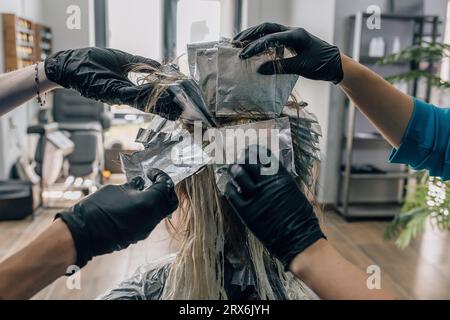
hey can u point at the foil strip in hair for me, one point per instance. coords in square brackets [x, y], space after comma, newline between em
[232, 86]
[241, 89]
[192, 49]
[175, 151]
[206, 75]
[305, 136]
[190, 97]
[239, 137]
[171, 149]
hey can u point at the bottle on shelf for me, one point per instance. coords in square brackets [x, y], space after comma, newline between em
[396, 45]
[377, 47]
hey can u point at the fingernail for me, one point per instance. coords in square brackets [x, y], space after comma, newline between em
[235, 169]
[170, 184]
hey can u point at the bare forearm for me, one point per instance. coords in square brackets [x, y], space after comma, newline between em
[19, 86]
[37, 265]
[386, 107]
[331, 276]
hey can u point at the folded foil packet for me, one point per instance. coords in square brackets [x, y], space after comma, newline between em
[241, 89]
[232, 86]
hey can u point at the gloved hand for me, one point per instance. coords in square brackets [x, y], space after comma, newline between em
[102, 74]
[116, 216]
[315, 59]
[274, 209]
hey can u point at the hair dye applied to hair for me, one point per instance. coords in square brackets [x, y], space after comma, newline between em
[210, 232]
[218, 257]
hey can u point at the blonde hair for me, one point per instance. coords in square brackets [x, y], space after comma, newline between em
[207, 227]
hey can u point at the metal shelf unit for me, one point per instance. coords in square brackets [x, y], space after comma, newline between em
[421, 24]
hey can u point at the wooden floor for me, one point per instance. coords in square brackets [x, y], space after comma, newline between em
[101, 273]
[420, 272]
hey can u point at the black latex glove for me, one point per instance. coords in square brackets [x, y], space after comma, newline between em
[116, 216]
[315, 59]
[274, 209]
[102, 74]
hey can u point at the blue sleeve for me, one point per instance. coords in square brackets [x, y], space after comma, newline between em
[425, 144]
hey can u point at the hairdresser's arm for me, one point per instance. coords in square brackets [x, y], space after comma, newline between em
[19, 86]
[331, 276]
[96, 73]
[419, 131]
[109, 220]
[282, 218]
[389, 109]
[38, 264]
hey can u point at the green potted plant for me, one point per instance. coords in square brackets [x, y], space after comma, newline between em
[428, 201]
[424, 56]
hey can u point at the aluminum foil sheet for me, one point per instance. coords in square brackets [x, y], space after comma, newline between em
[241, 89]
[206, 75]
[189, 96]
[171, 149]
[232, 86]
[274, 134]
[305, 139]
[192, 53]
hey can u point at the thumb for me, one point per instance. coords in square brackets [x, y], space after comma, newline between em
[158, 176]
[137, 183]
[243, 181]
[134, 96]
[163, 184]
[282, 66]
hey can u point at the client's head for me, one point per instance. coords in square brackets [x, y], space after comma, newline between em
[211, 236]
[218, 257]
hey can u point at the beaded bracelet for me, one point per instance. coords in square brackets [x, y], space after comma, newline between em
[41, 101]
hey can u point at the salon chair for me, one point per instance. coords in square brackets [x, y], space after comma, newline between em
[52, 149]
[85, 122]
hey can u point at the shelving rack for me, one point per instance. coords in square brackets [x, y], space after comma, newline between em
[44, 42]
[19, 43]
[422, 28]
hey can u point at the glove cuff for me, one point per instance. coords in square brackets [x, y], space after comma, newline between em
[300, 246]
[76, 225]
[52, 68]
[340, 71]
